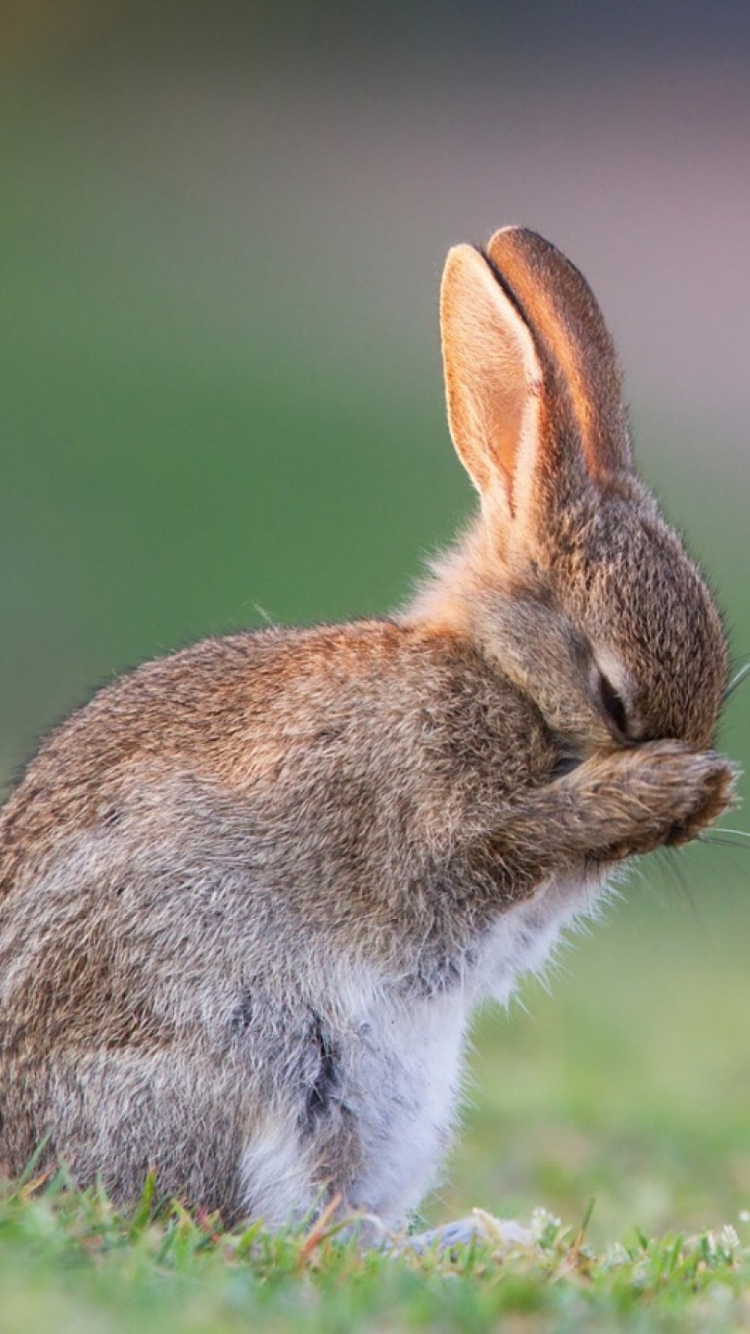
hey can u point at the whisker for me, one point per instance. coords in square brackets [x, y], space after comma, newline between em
[672, 872]
[740, 833]
[675, 871]
[737, 679]
[720, 842]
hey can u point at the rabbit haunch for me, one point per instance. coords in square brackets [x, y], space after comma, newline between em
[251, 893]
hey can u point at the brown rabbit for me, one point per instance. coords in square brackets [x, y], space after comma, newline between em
[251, 893]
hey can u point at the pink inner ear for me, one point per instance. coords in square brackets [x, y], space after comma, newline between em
[492, 371]
[563, 311]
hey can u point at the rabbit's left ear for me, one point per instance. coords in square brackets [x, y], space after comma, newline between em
[573, 339]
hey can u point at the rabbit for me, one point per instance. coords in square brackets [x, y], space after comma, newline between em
[252, 893]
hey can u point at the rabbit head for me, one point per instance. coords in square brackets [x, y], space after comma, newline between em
[570, 578]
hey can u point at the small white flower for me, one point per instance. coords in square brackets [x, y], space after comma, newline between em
[614, 1256]
[728, 1239]
[544, 1226]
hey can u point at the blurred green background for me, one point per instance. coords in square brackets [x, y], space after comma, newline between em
[222, 230]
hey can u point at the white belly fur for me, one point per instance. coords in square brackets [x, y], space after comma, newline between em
[403, 1063]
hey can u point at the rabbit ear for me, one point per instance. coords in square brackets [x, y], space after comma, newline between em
[492, 373]
[567, 323]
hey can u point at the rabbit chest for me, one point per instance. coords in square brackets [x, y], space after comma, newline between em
[417, 1078]
[410, 1052]
[388, 1070]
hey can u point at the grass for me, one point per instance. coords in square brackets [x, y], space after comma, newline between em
[68, 1261]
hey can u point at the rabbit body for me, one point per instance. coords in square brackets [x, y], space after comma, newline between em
[251, 893]
[170, 967]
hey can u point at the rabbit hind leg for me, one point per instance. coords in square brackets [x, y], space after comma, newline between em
[114, 1115]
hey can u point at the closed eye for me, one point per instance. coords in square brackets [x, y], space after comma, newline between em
[565, 765]
[613, 705]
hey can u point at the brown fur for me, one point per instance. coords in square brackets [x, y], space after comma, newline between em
[197, 863]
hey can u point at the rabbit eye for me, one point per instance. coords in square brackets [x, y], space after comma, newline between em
[613, 705]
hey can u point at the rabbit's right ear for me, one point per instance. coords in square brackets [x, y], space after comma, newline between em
[493, 376]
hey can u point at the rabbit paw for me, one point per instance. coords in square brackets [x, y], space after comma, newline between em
[481, 1229]
[670, 793]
